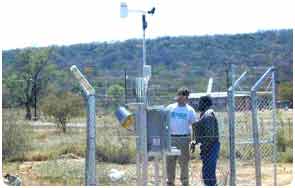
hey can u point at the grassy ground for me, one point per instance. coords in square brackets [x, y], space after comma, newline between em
[58, 159]
[71, 172]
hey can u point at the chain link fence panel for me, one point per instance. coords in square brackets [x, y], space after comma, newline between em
[56, 158]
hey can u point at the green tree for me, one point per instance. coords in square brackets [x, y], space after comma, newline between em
[30, 74]
[115, 94]
[62, 107]
[286, 91]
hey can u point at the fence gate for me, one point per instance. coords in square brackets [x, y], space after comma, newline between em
[252, 129]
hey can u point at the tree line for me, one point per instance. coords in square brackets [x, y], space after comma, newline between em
[31, 74]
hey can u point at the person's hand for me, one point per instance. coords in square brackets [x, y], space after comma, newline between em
[192, 146]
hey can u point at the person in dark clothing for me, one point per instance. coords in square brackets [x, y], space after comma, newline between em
[205, 132]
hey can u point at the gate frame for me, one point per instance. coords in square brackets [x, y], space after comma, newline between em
[256, 143]
[231, 115]
[254, 89]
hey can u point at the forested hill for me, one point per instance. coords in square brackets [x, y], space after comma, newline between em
[254, 49]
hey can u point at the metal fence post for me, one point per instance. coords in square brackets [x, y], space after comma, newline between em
[90, 166]
[274, 124]
[156, 170]
[90, 170]
[143, 138]
[232, 157]
[232, 133]
[256, 138]
[141, 145]
[231, 114]
[138, 150]
[255, 124]
[164, 169]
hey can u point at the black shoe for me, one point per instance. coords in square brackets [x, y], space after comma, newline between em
[170, 184]
[185, 184]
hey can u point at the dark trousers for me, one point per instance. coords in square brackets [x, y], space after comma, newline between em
[209, 157]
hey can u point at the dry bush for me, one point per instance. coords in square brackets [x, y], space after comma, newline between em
[63, 107]
[16, 136]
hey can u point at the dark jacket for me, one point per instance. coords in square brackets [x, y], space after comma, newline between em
[206, 129]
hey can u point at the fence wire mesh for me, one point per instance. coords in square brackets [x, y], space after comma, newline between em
[55, 158]
[244, 152]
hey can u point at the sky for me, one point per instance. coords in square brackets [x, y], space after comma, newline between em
[37, 23]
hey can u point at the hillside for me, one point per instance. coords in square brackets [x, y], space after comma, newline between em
[198, 51]
[187, 59]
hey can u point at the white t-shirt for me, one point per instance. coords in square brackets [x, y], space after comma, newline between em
[181, 117]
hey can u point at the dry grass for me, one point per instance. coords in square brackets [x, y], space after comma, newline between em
[49, 162]
[71, 172]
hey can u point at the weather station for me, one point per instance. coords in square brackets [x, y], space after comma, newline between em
[152, 126]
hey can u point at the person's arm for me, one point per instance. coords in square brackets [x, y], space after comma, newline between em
[193, 120]
[168, 107]
[197, 128]
[194, 130]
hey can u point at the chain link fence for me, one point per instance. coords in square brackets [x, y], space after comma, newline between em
[56, 158]
[260, 108]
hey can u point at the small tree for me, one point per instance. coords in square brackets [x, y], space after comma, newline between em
[116, 94]
[28, 76]
[62, 107]
[286, 91]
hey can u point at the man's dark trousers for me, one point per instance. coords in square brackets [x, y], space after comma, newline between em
[209, 156]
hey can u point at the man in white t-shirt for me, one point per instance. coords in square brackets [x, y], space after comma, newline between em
[182, 116]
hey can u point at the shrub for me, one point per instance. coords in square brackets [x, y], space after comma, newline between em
[62, 108]
[283, 141]
[16, 136]
[285, 146]
[115, 93]
[287, 156]
[120, 153]
[76, 149]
